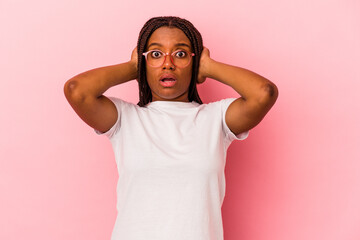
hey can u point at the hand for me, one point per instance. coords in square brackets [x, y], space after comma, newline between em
[134, 57]
[134, 60]
[204, 65]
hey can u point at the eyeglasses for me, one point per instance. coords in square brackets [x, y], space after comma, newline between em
[180, 58]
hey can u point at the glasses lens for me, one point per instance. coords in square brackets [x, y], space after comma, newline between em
[155, 58]
[180, 58]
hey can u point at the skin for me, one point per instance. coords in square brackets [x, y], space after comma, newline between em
[168, 38]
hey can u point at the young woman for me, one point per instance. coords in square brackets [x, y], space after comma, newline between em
[170, 148]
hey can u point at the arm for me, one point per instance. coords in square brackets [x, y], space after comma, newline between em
[258, 93]
[84, 92]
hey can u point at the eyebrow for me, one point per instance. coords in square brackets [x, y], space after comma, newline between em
[178, 44]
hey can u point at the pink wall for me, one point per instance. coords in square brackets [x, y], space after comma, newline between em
[296, 176]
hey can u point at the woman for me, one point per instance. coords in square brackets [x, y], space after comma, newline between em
[170, 148]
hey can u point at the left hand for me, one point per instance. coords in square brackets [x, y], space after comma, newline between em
[204, 65]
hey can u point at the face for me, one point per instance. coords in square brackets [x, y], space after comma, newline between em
[166, 39]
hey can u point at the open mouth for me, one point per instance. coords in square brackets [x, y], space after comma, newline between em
[168, 80]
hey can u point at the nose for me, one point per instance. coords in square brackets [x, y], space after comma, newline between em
[168, 62]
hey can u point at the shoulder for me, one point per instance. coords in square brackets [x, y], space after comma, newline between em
[121, 103]
[223, 104]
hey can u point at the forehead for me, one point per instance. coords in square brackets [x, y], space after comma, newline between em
[168, 37]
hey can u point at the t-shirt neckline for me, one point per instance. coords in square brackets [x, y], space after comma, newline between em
[172, 104]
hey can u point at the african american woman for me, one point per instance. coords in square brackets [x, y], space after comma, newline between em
[170, 148]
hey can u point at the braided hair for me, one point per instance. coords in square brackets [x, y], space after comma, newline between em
[192, 34]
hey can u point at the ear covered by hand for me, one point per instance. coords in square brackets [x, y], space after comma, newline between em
[204, 65]
[134, 60]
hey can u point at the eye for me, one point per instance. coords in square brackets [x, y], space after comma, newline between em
[181, 54]
[155, 54]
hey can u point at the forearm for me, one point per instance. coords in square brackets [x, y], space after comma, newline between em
[249, 85]
[95, 82]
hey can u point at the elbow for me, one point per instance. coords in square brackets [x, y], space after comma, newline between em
[269, 94]
[271, 90]
[71, 90]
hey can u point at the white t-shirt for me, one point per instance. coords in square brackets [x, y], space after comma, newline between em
[171, 159]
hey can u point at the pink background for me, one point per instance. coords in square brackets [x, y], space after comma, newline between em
[296, 177]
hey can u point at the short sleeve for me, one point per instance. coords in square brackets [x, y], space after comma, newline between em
[230, 136]
[115, 128]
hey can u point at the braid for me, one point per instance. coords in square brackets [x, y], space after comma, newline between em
[192, 34]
